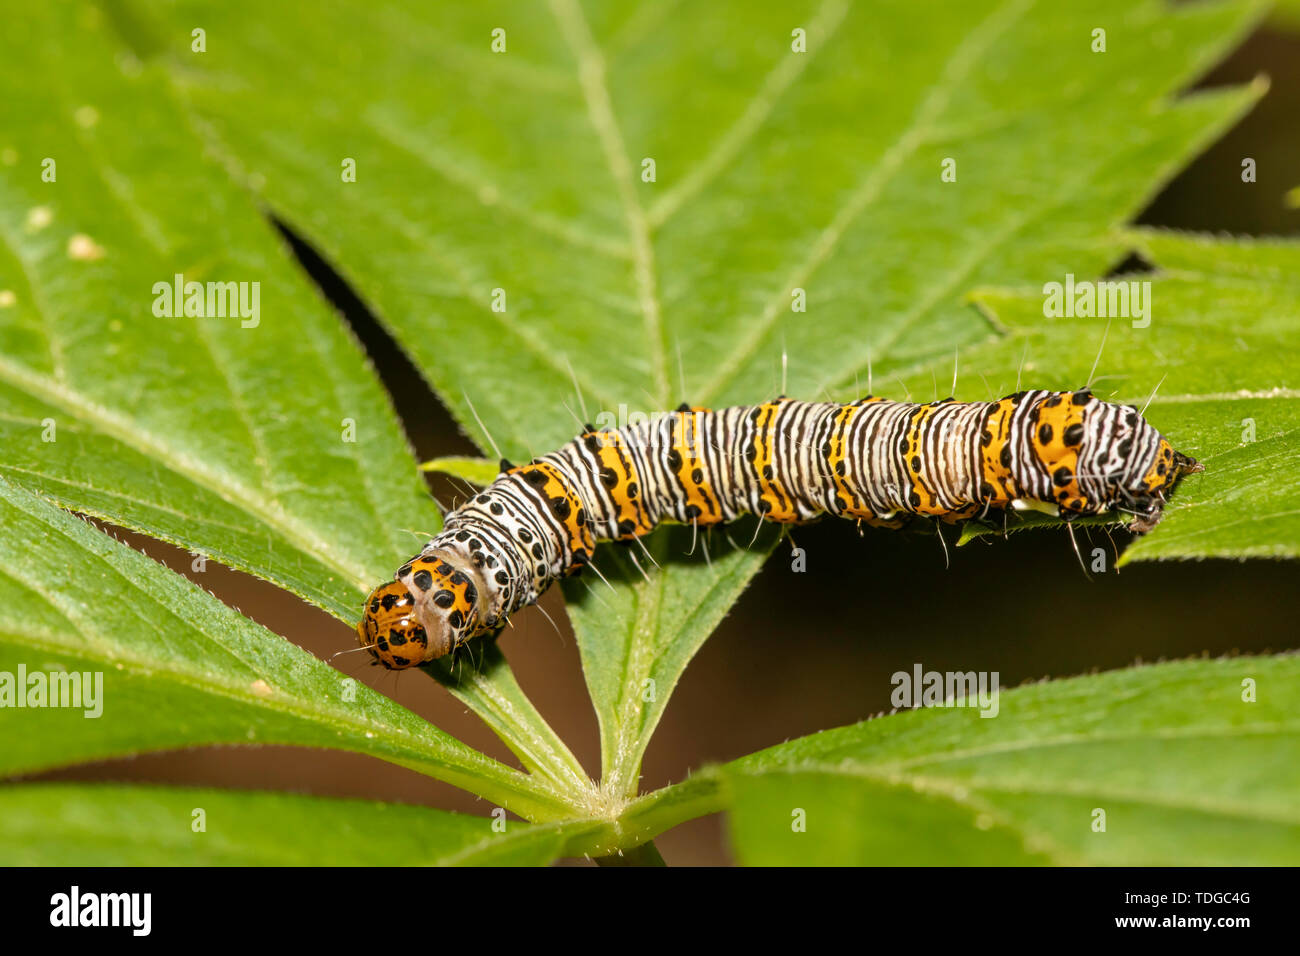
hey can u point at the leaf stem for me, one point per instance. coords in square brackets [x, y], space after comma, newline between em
[491, 691]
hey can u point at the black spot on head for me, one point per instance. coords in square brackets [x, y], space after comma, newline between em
[419, 636]
[396, 638]
[444, 598]
[401, 661]
[422, 579]
[388, 601]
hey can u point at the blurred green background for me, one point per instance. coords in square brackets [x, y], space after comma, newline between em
[802, 652]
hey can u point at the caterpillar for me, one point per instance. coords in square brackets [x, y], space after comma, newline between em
[882, 462]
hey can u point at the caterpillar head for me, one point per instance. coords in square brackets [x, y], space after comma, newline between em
[428, 611]
[1101, 457]
[1147, 495]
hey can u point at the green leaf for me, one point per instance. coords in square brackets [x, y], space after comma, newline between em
[180, 669]
[1286, 15]
[221, 438]
[270, 448]
[501, 226]
[477, 471]
[1223, 345]
[87, 825]
[1186, 771]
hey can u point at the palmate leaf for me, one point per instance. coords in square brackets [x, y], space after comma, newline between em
[501, 223]
[266, 444]
[1223, 345]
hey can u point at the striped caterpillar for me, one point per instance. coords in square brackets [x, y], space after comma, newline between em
[885, 463]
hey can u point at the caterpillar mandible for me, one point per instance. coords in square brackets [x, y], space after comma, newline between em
[879, 461]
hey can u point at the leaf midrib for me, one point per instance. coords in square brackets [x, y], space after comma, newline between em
[600, 113]
[951, 788]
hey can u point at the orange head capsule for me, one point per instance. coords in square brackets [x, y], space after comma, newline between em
[432, 608]
[390, 630]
